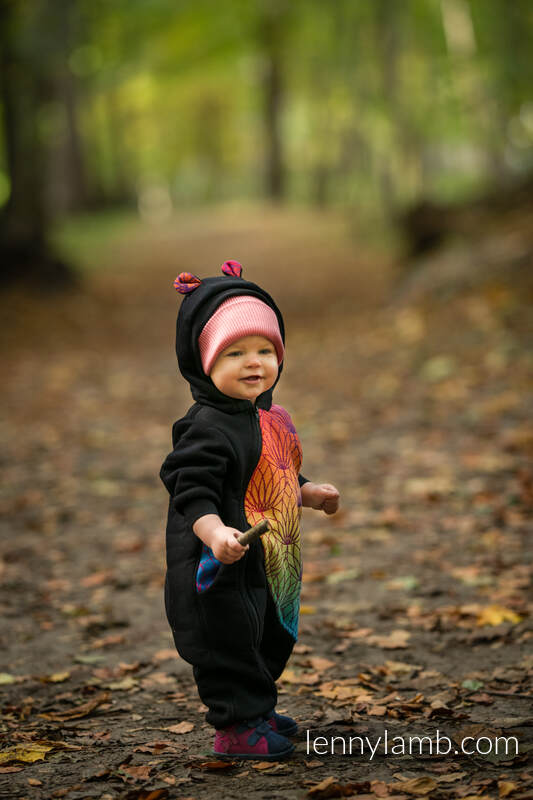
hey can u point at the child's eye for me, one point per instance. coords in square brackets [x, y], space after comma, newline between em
[266, 350]
[234, 353]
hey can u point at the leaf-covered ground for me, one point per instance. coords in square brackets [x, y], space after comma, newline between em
[416, 616]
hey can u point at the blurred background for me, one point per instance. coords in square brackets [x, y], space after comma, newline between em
[370, 163]
[132, 113]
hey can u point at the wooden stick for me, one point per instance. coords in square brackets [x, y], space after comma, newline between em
[254, 533]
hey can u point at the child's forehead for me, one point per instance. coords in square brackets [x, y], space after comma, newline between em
[250, 341]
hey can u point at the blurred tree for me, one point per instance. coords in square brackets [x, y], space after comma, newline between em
[271, 35]
[25, 90]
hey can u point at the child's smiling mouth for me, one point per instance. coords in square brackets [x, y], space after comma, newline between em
[252, 378]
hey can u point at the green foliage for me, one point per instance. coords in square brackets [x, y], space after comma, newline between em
[377, 103]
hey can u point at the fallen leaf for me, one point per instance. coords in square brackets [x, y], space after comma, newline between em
[140, 773]
[97, 578]
[306, 678]
[395, 640]
[34, 751]
[158, 747]
[481, 697]
[495, 615]
[336, 691]
[359, 633]
[506, 787]
[472, 684]
[78, 711]
[418, 786]
[124, 685]
[165, 655]
[319, 663]
[210, 765]
[331, 787]
[400, 667]
[377, 711]
[56, 677]
[181, 727]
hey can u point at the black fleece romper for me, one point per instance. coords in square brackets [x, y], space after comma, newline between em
[240, 461]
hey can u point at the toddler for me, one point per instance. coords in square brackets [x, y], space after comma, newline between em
[236, 460]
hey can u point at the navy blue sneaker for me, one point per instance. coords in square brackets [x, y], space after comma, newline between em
[252, 739]
[286, 726]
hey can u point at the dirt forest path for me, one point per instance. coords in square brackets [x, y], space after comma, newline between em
[416, 604]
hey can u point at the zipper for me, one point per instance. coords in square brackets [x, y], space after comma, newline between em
[254, 616]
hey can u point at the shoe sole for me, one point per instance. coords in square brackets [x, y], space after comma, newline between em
[257, 756]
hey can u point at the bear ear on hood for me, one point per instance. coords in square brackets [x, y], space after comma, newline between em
[232, 268]
[186, 283]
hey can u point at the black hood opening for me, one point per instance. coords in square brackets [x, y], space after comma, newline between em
[196, 308]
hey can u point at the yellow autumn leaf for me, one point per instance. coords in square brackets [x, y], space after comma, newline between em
[495, 615]
[307, 609]
[56, 677]
[506, 787]
[25, 752]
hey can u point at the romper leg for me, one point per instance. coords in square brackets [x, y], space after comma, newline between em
[235, 686]
[276, 643]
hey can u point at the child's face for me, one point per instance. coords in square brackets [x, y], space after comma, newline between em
[245, 369]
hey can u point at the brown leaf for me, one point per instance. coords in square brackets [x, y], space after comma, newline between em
[506, 787]
[320, 664]
[379, 788]
[165, 655]
[418, 786]
[210, 765]
[481, 697]
[359, 633]
[108, 641]
[82, 710]
[97, 578]
[181, 727]
[158, 747]
[395, 640]
[140, 773]
[377, 711]
[306, 678]
[331, 787]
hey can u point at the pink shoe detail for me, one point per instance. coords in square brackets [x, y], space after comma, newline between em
[254, 739]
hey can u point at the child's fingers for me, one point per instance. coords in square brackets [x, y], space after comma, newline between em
[235, 546]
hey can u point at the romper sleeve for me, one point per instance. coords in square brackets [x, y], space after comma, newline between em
[302, 480]
[193, 473]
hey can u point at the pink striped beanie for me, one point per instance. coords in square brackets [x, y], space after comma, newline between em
[242, 315]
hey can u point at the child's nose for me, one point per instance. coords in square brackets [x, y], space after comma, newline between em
[253, 359]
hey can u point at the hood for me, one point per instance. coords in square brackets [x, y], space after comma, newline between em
[195, 310]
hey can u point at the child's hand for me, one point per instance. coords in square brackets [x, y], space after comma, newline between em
[225, 546]
[321, 496]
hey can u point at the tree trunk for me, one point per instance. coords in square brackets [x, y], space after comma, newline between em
[271, 32]
[24, 252]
